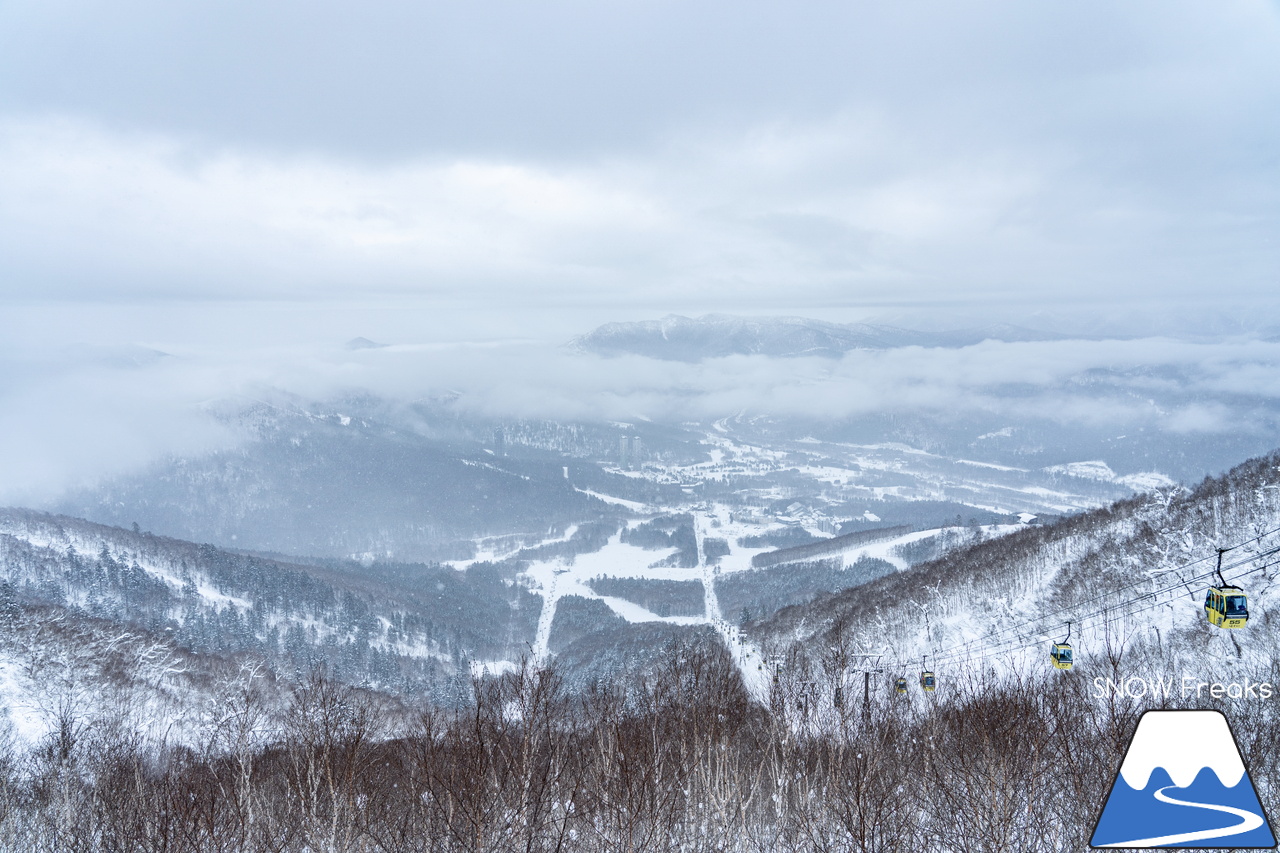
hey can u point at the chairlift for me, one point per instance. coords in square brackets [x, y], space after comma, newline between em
[1226, 606]
[1061, 653]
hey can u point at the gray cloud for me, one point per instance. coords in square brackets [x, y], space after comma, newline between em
[785, 218]
[572, 77]
[67, 425]
[649, 157]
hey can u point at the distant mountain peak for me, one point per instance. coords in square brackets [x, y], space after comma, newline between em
[364, 343]
[679, 338]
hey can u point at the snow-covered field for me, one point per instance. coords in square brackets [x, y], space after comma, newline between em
[554, 579]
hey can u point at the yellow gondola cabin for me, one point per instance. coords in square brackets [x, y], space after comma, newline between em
[1227, 606]
[1061, 655]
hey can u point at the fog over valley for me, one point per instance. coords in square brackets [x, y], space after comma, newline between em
[1182, 407]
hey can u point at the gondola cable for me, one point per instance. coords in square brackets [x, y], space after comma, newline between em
[1115, 616]
[1124, 609]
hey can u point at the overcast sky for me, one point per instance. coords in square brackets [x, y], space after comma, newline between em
[622, 160]
[247, 185]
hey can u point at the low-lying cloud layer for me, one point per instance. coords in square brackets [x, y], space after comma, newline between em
[97, 413]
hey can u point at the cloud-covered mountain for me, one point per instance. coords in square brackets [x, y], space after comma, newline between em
[341, 485]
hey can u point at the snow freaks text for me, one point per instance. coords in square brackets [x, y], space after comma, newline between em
[1188, 687]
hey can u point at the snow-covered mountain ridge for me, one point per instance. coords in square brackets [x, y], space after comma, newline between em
[678, 338]
[405, 630]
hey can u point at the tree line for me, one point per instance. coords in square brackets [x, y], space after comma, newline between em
[674, 758]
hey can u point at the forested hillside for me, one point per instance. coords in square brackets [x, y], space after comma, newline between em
[409, 629]
[343, 485]
[1130, 577]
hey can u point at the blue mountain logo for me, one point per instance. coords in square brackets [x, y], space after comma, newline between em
[1183, 784]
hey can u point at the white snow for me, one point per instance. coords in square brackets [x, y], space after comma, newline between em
[481, 668]
[1094, 469]
[1146, 481]
[215, 596]
[637, 506]
[19, 703]
[991, 465]
[1143, 481]
[633, 612]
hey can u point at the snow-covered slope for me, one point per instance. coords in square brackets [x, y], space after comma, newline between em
[1129, 578]
[405, 629]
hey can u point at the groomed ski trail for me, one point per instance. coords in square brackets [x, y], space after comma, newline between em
[746, 655]
[542, 640]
